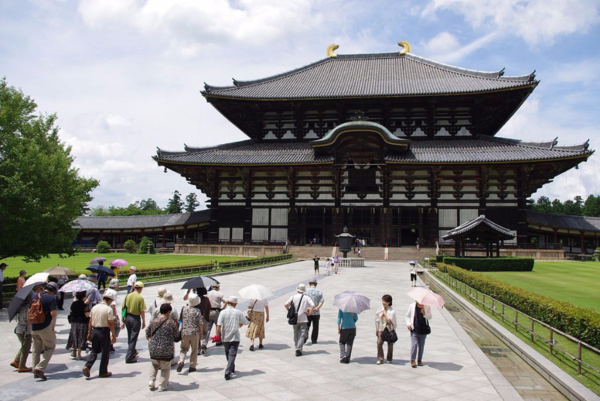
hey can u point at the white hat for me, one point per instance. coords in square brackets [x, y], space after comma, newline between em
[109, 295]
[131, 267]
[232, 299]
[301, 288]
[161, 291]
[113, 283]
[82, 277]
[167, 298]
[194, 300]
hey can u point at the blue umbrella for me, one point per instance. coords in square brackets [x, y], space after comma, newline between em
[101, 268]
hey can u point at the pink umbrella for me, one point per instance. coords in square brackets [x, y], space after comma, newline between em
[118, 262]
[427, 297]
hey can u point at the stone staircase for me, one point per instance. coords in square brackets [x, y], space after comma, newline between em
[369, 253]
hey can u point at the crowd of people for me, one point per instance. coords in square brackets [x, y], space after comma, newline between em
[96, 322]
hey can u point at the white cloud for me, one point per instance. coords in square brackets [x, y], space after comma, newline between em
[446, 48]
[536, 21]
[585, 71]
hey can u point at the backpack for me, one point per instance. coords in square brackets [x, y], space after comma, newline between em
[36, 314]
[292, 314]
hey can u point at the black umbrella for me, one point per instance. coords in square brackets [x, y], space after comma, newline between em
[19, 298]
[101, 268]
[200, 282]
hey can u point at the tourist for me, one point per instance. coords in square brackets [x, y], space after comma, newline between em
[43, 335]
[60, 297]
[132, 279]
[358, 252]
[21, 280]
[327, 266]
[347, 330]
[3, 267]
[204, 308]
[135, 311]
[386, 318]
[228, 329]
[161, 334]
[102, 276]
[336, 264]
[113, 287]
[79, 319]
[167, 298]
[304, 307]
[191, 332]
[256, 316]
[417, 322]
[316, 296]
[93, 297]
[418, 246]
[215, 297]
[316, 260]
[413, 274]
[155, 306]
[23, 333]
[101, 331]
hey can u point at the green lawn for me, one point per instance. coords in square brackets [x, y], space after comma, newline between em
[80, 261]
[574, 282]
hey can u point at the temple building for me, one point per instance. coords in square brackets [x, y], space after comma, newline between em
[398, 148]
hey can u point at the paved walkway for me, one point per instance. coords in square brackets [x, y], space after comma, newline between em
[455, 369]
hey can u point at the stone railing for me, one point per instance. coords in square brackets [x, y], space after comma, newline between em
[352, 262]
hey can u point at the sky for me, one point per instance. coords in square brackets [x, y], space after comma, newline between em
[124, 76]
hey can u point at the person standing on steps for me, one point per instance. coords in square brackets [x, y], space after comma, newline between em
[316, 296]
[101, 330]
[134, 320]
[228, 329]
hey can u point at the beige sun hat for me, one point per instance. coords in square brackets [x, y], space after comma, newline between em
[193, 300]
[167, 298]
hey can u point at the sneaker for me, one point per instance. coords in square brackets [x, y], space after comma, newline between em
[161, 388]
[86, 371]
[260, 346]
[15, 364]
[379, 361]
[151, 385]
[38, 374]
[251, 348]
[298, 353]
[192, 370]
[107, 374]
[180, 367]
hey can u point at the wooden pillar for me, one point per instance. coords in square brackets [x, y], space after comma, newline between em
[555, 235]
[582, 247]
[121, 238]
[100, 236]
[164, 237]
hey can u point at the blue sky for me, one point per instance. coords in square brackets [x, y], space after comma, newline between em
[124, 76]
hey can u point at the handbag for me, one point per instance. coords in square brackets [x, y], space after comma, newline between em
[389, 335]
[124, 307]
[249, 313]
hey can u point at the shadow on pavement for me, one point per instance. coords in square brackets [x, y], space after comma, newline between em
[273, 347]
[251, 373]
[183, 387]
[447, 366]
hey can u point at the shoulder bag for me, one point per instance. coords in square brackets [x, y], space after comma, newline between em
[292, 314]
[155, 330]
[249, 313]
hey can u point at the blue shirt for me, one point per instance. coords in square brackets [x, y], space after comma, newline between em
[48, 305]
[316, 296]
[347, 319]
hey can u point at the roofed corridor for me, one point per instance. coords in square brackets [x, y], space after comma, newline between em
[455, 368]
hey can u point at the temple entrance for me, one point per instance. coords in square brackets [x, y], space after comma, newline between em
[409, 236]
[314, 236]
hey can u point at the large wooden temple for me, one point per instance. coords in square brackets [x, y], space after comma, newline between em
[396, 147]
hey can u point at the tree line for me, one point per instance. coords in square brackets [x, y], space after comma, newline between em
[149, 206]
[576, 207]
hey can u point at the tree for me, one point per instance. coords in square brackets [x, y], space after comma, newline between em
[130, 246]
[191, 202]
[557, 207]
[175, 204]
[146, 246]
[41, 193]
[543, 204]
[591, 207]
[148, 204]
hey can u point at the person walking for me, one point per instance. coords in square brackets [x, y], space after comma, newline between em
[161, 334]
[132, 279]
[216, 299]
[313, 320]
[102, 276]
[417, 321]
[101, 331]
[42, 334]
[21, 280]
[336, 264]
[316, 260]
[3, 267]
[113, 287]
[347, 330]
[304, 307]
[413, 274]
[327, 266]
[135, 307]
[168, 299]
[23, 333]
[79, 318]
[358, 252]
[386, 318]
[256, 316]
[191, 332]
[154, 308]
[228, 329]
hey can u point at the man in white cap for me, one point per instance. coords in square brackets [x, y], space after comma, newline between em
[303, 307]
[101, 330]
[113, 287]
[228, 328]
[132, 279]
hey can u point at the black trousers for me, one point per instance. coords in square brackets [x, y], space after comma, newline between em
[231, 350]
[100, 344]
[133, 323]
[102, 283]
[60, 302]
[1, 300]
[314, 320]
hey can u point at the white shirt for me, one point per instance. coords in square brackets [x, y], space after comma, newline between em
[229, 320]
[131, 280]
[301, 307]
[215, 297]
[259, 306]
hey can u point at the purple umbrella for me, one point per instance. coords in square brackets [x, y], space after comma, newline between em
[118, 262]
[97, 259]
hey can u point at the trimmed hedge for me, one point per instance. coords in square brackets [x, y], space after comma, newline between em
[492, 264]
[581, 323]
[440, 258]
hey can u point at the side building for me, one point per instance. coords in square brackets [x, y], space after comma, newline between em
[396, 147]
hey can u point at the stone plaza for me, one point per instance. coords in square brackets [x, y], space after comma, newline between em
[454, 367]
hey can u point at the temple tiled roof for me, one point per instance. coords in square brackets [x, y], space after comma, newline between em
[475, 224]
[138, 222]
[451, 150]
[371, 75]
[579, 223]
